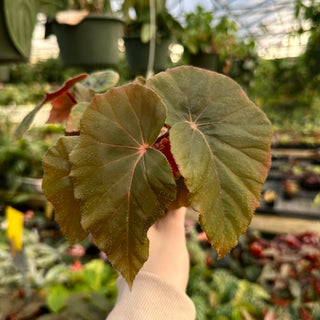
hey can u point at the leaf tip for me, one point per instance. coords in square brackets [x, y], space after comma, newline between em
[129, 278]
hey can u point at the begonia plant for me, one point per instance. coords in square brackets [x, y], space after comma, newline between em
[184, 137]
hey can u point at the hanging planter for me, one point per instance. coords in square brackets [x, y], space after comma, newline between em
[208, 43]
[150, 23]
[92, 43]
[137, 54]
[17, 21]
[210, 61]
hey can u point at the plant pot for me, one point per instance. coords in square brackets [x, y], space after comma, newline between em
[235, 67]
[210, 61]
[93, 43]
[137, 54]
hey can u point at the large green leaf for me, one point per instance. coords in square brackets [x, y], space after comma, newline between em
[221, 143]
[123, 184]
[58, 188]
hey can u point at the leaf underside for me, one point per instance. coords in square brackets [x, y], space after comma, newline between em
[123, 185]
[221, 143]
[61, 108]
[58, 189]
[101, 81]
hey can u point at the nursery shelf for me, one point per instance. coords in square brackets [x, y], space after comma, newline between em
[278, 224]
[313, 154]
[299, 206]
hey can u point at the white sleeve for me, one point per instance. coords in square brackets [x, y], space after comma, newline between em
[151, 298]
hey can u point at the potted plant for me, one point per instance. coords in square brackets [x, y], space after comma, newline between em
[87, 32]
[17, 21]
[208, 42]
[184, 137]
[137, 34]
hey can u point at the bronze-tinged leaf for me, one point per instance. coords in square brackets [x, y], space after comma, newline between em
[123, 184]
[65, 88]
[58, 188]
[27, 121]
[221, 143]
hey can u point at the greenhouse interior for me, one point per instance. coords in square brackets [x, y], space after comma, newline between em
[160, 159]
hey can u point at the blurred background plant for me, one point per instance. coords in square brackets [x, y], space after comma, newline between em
[41, 282]
[217, 293]
[20, 162]
[286, 266]
[203, 34]
[136, 14]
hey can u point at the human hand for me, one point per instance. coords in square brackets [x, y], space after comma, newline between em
[158, 291]
[168, 254]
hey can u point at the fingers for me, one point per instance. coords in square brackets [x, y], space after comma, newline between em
[168, 255]
[173, 220]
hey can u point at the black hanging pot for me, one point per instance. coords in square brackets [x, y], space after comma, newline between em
[92, 43]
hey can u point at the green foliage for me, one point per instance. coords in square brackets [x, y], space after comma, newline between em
[286, 266]
[39, 284]
[217, 294]
[96, 281]
[310, 12]
[38, 259]
[203, 34]
[166, 25]
[30, 81]
[46, 71]
[304, 137]
[19, 158]
[198, 31]
[288, 89]
[22, 94]
[243, 62]
[287, 94]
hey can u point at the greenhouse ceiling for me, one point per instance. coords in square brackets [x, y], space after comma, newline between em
[269, 22]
